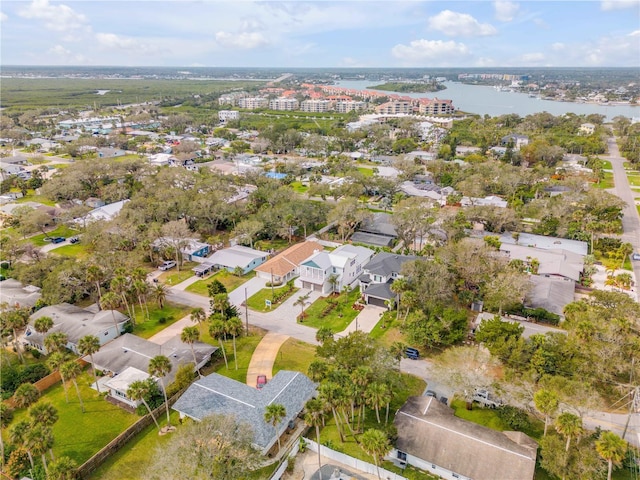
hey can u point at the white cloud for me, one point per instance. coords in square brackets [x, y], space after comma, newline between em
[532, 58]
[3, 17]
[242, 40]
[435, 51]
[59, 50]
[635, 33]
[618, 4]
[558, 46]
[538, 22]
[456, 24]
[66, 56]
[59, 18]
[505, 10]
[112, 41]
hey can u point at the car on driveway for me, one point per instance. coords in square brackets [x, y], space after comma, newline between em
[261, 381]
[57, 239]
[74, 239]
[430, 393]
[168, 265]
[635, 256]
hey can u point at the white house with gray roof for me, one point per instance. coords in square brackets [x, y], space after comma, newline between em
[344, 265]
[75, 322]
[14, 294]
[237, 256]
[216, 394]
[379, 274]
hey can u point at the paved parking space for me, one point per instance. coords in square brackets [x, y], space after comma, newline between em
[264, 357]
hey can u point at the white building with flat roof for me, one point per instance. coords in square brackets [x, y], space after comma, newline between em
[286, 104]
[253, 103]
[228, 115]
[315, 106]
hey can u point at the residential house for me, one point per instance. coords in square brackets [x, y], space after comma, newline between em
[162, 159]
[104, 213]
[515, 140]
[237, 256]
[14, 294]
[427, 190]
[216, 394]
[118, 385]
[558, 263]
[379, 274]
[377, 231]
[489, 201]
[192, 249]
[286, 265]
[130, 351]
[539, 241]
[433, 439]
[9, 169]
[225, 116]
[327, 272]
[107, 152]
[75, 322]
[587, 129]
[551, 293]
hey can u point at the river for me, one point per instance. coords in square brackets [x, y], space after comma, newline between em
[485, 100]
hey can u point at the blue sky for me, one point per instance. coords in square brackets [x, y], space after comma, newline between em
[391, 33]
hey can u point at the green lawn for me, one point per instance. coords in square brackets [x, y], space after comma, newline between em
[298, 187]
[76, 250]
[606, 182]
[171, 313]
[245, 347]
[294, 355]
[61, 231]
[229, 280]
[338, 319]
[257, 300]
[606, 164]
[391, 332]
[174, 277]
[32, 197]
[80, 435]
[367, 172]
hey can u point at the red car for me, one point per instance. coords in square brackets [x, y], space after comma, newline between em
[262, 381]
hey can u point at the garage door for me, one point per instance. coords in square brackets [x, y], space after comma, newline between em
[378, 302]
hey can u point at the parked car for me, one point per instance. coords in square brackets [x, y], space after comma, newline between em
[430, 393]
[168, 265]
[74, 239]
[58, 239]
[485, 398]
[261, 381]
[412, 353]
[635, 256]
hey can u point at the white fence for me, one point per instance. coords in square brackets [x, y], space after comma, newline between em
[352, 462]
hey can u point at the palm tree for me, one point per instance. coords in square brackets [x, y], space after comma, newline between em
[612, 448]
[19, 435]
[43, 413]
[314, 417]
[138, 391]
[25, 395]
[159, 293]
[62, 469]
[330, 393]
[96, 275]
[333, 281]
[55, 360]
[43, 324]
[71, 370]
[317, 370]
[110, 301]
[546, 402]
[160, 366]
[16, 321]
[220, 302]
[218, 331]
[198, 316]
[376, 395]
[273, 414]
[120, 287]
[6, 415]
[39, 440]
[88, 345]
[376, 444]
[190, 335]
[569, 425]
[360, 378]
[399, 286]
[234, 328]
[56, 342]
[302, 301]
[141, 289]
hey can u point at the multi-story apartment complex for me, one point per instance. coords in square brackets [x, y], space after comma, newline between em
[315, 106]
[284, 104]
[226, 115]
[252, 103]
[434, 106]
[350, 106]
[231, 98]
[391, 108]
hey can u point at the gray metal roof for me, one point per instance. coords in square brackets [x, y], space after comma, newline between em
[216, 394]
[372, 239]
[427, 429]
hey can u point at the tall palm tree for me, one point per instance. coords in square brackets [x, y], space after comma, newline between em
[302, 301]
[138, 391]
[88, 345]
[141, 289]
[62, 469]
[43, 413]
[612, 448]
[39, 440]
[546, 402]
[55, 361]
[234, 327]
[190, 335]
[96, 275]
[314, 417]
[376, 444]
[43, 325]
[160, 366]
[360, 378]
[220, 302]
[399, 286]
[218, 331]
[110, 301]
[6, 415]
[19, 435]
[273, 414]
[25, 395]
[120, 287]
[16, 320]
[330, 393]
[198, 316]
[56, 342]
[375, 394]
[569, 425]
[159, 292]
[71, 370]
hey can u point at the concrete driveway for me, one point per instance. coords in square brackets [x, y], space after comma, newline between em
[264, 357]
[366, 320]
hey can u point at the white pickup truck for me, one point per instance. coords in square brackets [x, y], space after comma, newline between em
[486, 398]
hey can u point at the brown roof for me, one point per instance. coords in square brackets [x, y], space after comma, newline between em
[427, 429]
[289, 259]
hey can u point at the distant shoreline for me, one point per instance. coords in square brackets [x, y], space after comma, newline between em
[402, 87]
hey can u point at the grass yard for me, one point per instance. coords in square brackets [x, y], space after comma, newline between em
[367, 172]
[390, 334]
[294, 355]
[174, 277]
[80, 435]
[277, 244]
[606, 182]
[245, 347]
[257, 300]
[634, 180]
[61, 231]
[228, 279]
[338, 318]
[32, 197]
[298, 187]
[76, 250]
[148, 328]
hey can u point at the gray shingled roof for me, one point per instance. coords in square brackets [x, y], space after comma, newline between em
[550, 293]
[427, 429]
[372, 239]
[216, 394]
[385, 264]
[380, 224]
[379, 290]
[14, 293]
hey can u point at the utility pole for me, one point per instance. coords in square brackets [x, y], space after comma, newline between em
[246, 309]
[272, 290]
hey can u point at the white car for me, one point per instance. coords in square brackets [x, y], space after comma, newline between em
[167, 265]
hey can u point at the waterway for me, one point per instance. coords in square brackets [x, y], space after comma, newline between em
[484, 100]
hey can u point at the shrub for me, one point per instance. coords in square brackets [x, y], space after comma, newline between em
[516, 418]
[162, 320]
[35, 353]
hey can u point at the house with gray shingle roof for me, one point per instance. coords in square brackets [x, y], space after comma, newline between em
[14, 294]
[379, 274]
[216, 394]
